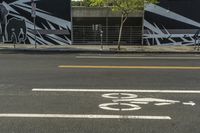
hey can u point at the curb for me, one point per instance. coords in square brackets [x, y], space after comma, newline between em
[71, 51]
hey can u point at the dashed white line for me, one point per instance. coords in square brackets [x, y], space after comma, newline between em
[116, 90]
[89, 116]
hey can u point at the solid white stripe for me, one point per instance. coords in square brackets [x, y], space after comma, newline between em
[127, 57]
[116, 90]
[89, 116]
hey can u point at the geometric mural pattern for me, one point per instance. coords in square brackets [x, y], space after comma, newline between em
[53, 22]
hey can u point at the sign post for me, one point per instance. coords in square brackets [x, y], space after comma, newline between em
[98, 28]
[101, 35]
[33, 15]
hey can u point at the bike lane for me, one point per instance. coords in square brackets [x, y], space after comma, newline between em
[152, 110]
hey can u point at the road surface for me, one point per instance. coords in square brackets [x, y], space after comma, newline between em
[83, 93]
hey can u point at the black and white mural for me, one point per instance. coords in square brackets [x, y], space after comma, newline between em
[172, 22]
[52, 21]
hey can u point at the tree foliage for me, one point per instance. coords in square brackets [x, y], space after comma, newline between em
[85, 3]
[124, 6]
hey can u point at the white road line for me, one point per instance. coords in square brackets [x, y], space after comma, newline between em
[130, 57]
[89, 116]
[189, 103]
[162, 104]
[116, 90]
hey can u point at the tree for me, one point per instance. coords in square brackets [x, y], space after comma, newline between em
[125, 7]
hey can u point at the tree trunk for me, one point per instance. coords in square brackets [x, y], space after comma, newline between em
[123, 20]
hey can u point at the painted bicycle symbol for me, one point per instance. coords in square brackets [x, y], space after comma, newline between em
[131, 102]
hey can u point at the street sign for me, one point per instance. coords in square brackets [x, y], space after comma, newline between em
[33, 7]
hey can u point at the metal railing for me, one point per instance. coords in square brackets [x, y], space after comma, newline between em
[87, 35]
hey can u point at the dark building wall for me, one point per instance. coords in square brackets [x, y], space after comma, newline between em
[53, 22]
[172, 22]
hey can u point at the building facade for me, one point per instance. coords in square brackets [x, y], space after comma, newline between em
[48, 22]
[52, 23]
[171, 22]
[89, 21]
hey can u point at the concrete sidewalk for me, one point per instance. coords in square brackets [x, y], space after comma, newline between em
[29, 48]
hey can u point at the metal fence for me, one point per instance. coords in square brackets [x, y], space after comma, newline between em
[88, 35]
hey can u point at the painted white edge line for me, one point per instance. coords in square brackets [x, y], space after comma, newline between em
[128, 57]
[89, 116]
[115, 90]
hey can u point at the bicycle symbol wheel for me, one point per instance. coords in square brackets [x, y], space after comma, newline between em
[119, 96]
[118, 104]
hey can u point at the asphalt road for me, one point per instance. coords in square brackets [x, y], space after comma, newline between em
[73, 93]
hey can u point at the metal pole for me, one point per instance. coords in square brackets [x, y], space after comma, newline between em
[107, 30]
[101, 34]
[35, 31]
[143, 15]
[33, 14]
